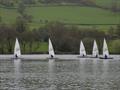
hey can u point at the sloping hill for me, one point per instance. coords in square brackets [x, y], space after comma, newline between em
[66, 14]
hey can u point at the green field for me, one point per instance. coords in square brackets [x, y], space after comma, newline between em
[43, 46]
[107, 3]
[76, 15]
[66, 14]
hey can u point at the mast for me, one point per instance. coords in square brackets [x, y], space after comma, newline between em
[105, 49]
[95, 51]
[82, 49]
[17, 51]
[51, 50]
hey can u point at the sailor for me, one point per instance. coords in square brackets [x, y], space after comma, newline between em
[51, 56]
[106, 56]
[83, 55]
[16, 56]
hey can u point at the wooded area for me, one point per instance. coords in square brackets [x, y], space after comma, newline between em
[66, 39]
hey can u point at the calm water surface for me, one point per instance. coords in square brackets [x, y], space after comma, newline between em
[86, 74]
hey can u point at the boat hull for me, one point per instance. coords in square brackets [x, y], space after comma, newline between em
[83, 57]
[93, 57]
[52, 58]
[105, 58]
[17, 58]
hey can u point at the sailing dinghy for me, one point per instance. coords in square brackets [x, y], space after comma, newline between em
[51, 50]
[17, 52]
[95, 51]
[82, 51]
[105, 51]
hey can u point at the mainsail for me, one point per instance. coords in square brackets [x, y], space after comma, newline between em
[82, 49]
[51, 50]
[95, 51]
[105, 49]
[17, 52]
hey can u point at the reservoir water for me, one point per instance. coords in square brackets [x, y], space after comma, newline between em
[81, 74]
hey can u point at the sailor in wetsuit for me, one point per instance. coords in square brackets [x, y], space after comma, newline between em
[96, 55]
[106, 56]
[51, 56]
[16, 56]
[83, 55]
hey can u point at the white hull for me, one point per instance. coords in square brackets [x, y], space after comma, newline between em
[59, 57]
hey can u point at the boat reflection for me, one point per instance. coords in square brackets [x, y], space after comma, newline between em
[17, 74]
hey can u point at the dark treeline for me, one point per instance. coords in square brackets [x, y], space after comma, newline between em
[12, 2]
[78, 2]
[66, 39]
[114, 6]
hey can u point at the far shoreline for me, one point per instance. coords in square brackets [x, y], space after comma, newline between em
[57, 57]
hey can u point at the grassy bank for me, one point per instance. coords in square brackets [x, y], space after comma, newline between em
[66, 14]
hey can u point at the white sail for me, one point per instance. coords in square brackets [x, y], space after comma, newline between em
[51, 50]
[82, 49]
[105, 49]
[17, 52]
[95, 51]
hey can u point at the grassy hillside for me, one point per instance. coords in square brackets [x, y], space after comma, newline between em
[107, 3]
[67, 14]
[92, 17]
[77, 15]
[8, 15]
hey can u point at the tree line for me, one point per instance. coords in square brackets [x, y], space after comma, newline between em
[114, 6]
[65, 38]
[13, 2]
